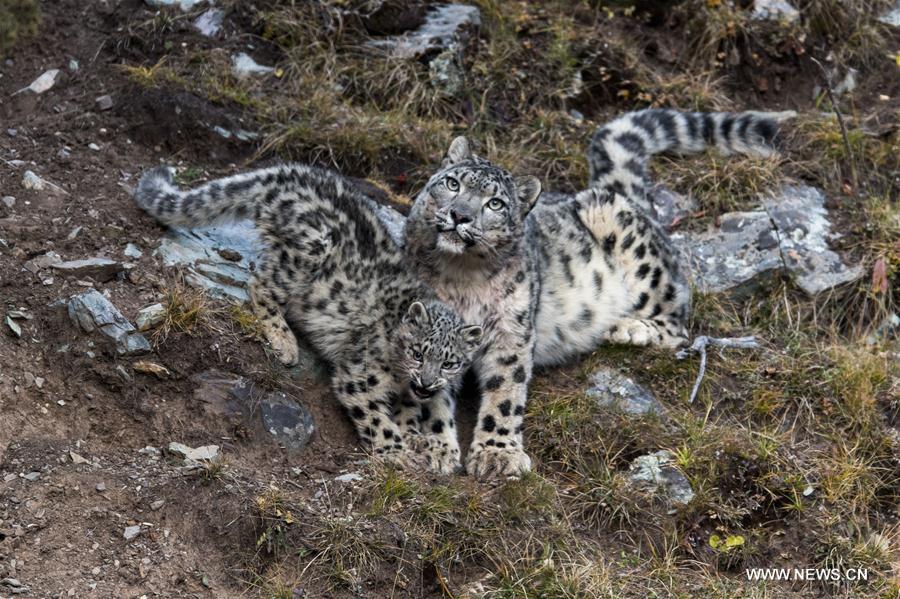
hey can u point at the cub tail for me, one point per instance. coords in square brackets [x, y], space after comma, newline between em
[219, 201]
[619, 150]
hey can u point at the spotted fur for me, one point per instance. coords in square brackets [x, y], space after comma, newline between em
[331, 267]
[555, 278]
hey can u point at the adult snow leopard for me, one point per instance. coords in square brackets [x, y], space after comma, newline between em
[554, 278]
[330, 265]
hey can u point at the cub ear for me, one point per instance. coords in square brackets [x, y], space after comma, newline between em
[417, 314]
[528, 188]
[472, 336]
[459, 151]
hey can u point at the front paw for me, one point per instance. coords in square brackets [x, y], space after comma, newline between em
[402, 457]
[489, 461]
[442, 457]
[284, 344]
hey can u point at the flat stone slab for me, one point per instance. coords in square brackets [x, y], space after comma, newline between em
[892, 16]
[614, 390]
[790, 231]
[100, 269]
[93, 312]
[656, 474]
[445, 26]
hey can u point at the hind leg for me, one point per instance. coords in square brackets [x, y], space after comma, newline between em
[267, 302]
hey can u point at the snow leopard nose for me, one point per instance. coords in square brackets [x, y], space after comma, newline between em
[459, 218]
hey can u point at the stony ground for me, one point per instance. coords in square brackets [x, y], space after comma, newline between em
[180, 460]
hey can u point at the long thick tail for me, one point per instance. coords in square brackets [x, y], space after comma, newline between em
[223, 200]
[619, 150]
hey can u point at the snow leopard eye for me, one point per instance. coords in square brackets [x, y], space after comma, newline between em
[416, 355]
[496, 204]
[452, 184]
[450, 365]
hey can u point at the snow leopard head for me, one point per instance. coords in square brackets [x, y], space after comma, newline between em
[435, 348]
[471, 207]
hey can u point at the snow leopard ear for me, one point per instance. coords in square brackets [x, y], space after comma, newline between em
[528, 188]
[472, 336]
[418, 315]
[459, 151]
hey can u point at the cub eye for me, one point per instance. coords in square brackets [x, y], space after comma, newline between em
[452, 184]
[417, 355]
[496, 204]
[449, 365]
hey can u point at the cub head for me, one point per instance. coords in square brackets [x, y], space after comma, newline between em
[435, 348]
[471, 207]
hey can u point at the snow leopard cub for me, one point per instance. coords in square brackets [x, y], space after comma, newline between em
[331, 267]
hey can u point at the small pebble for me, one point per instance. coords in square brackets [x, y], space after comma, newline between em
[101, 487]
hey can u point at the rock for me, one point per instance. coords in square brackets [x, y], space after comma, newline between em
[226, 395]
[348, 478]
[446, 73]
[73, 66]
[184, 5]
[8, 201]
[123, 374]
[101, 487]
[210, 22]
[656, 474]
[14, 585]
[892, 16]
[131, 532]
[149, 317]
[99, 269]
[43, 83]
[445, 25]
[35, 265]
[32, 181]
[156, 505]
[765, 10]
[746, 249]
[288, 421]
[32, 476]
[206, 268]
[615, 390]
[92, 311]
[888, 329]
[13, 326]
[94, 147]
[77, 459]
[157, 370]
[132, 251]
[242, 65]
[670, 207]
[104, 102]
[12, 132]
[206, 453]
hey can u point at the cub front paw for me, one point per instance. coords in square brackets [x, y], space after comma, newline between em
[284, 344]
[403, 457]
[488, 461]
[442, 457]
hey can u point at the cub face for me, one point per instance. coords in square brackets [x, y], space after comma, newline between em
[434, 348]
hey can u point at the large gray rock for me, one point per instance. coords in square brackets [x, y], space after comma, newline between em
[790, 231]
[93, 312]
[445, 25]
[288, 421]
[615, 390]
[184, 5]
[656, 474]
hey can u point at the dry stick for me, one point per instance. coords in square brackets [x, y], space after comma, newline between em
[840, 118]
[699, 346]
